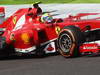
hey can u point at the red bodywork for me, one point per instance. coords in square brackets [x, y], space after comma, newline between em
[90, 48]
[25, 32]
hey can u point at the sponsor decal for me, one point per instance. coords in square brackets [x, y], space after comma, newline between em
[26, 50]
[57, 29]
[15, 20]
[50, 48]
[25, 37]
[19, 23]
[91, 47]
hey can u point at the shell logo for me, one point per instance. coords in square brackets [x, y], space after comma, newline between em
[15, 20]
[25, 37]
[57, 29]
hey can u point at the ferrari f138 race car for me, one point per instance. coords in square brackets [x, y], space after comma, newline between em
[29, 31]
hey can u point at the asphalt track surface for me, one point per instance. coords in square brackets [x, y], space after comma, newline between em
[52, 64]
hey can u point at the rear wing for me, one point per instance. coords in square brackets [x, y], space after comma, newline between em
[85, 14]
[78, 16]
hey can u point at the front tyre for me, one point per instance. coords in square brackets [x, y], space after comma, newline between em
[69, 40]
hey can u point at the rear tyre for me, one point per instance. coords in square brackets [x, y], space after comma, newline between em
[69, 40]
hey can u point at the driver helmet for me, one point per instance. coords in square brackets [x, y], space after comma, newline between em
[46, 18]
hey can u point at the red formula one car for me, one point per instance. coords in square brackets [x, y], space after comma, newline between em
[27, 33]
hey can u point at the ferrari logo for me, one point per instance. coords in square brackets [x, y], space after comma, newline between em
[15, 20]
[57, 29]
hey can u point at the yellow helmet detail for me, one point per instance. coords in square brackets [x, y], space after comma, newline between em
[46, 18]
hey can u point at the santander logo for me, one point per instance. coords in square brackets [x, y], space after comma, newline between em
[90, 47]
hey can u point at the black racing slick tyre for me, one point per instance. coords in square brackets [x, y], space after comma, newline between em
[69, 40]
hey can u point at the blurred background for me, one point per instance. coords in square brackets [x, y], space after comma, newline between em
[47, 1]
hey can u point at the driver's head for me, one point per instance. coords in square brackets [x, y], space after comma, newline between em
[46, 18]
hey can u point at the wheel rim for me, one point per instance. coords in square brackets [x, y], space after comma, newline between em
[65, 43]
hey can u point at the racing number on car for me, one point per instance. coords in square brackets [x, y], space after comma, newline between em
[57, 29]
[15, 20]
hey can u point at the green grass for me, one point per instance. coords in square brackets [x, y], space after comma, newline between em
[86, 1]
[16, 1]
[47, 1]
